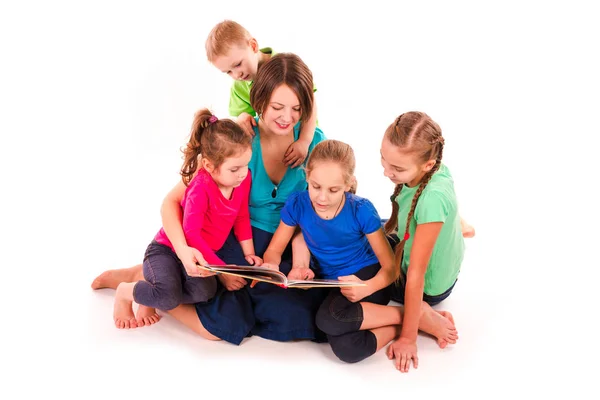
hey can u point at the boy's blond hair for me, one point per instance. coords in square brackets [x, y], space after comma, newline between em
[223, 37]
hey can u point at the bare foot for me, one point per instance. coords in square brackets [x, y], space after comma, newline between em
[146, 316]
[467, 230]
[439, 324]
[111, 278]
[123, 310]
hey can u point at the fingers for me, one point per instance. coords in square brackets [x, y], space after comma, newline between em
[416, 361]
[390, 352]
[253, 121]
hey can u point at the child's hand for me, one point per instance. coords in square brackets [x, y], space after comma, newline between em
[189, 256]
[246, 121]
[254, 260]
[296, 153]
[354, 293]
[403, 350]
[231, 282]
[301, 273]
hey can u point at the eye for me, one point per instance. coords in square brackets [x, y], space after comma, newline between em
[315, 186]
[297, 109]
[334, 190]
[277, 109]
[238, 64]
[234, 170]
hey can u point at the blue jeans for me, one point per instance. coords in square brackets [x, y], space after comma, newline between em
[265, 310]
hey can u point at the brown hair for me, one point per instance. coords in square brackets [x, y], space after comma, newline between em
[213, 139]
[416, 133]
[288, 69]
[337, 152]
[223, 37]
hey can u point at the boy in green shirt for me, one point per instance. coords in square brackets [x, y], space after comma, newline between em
[232, 50]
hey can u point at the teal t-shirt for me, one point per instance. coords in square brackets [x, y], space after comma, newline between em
[437, 203]
[265, 210]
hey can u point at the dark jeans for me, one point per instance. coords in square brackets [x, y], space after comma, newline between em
[341, 319]
[266, 310]
[166, 284]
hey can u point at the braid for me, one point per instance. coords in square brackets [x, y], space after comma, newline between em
[392, 223]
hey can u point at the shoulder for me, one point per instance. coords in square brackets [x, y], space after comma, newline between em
[297, 198]
[240, 87]
[441, 186]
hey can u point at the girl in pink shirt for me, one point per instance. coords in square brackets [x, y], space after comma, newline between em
[215, 202]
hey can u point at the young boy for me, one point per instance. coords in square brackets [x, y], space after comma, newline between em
[232, 50]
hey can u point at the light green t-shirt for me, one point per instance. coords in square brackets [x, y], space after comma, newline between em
[239, 98]
[437, 203]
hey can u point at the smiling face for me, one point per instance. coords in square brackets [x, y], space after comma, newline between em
[283, 111]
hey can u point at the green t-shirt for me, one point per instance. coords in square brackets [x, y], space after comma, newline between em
[239, 98]
[437, 203]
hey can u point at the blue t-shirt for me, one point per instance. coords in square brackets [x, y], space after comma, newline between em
[265, 210]
[338, 245]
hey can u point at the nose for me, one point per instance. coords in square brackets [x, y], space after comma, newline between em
[286, 114]
[387, 173]
[240, 74]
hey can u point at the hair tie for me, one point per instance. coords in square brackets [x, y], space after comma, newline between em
[392, 198]
[406, 236]
[213, 119]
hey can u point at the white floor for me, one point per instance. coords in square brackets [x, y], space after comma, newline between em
[97, 99]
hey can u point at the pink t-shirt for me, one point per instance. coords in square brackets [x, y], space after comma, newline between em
[208, 216]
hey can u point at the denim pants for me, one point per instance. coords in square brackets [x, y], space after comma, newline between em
[341, 319]
[265, 310]
[166, 284]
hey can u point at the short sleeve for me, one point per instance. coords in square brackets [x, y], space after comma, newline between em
[432, 206]
[239, 100]
[291, 211]
[367, 216]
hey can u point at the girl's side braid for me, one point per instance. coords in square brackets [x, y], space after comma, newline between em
[392, 223]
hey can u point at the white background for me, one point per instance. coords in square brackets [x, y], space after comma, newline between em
[96, 99]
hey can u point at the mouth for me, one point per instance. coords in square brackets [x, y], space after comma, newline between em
[246, 78]
[282, 126]
[318, 205]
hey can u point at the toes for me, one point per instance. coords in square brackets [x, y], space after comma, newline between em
[442, 343]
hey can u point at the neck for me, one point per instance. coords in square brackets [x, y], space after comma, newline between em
[262, 58]
[417, 180]
[267, 135]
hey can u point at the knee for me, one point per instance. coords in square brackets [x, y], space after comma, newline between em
[208, 289]
[338, 320]
[168, 301]
[354, 347]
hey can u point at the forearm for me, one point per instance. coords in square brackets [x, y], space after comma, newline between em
[384, 278]
[307, 132]
[272, 256]
[300, 252]
[412, 304]
[247, 247]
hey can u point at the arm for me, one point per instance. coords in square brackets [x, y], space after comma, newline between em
[404, 349]
[195, 208]
[278, 243]
[425, 237]
[298, 151]
[384, 277]
[388, 272]
[172, 216]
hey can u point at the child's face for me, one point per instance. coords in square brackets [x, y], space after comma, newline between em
[283, 111]
[233, 171]
[240, 62]
[402, 167]
[326, 186]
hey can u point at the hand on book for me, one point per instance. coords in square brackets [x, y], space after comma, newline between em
[355, 293]
[189, 256]
[301, 273]
[254, 260]
[274, 267]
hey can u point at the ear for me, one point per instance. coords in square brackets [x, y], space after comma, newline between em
[428, 165]
[253, 45]
[207, 165]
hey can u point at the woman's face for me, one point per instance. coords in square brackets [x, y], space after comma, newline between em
[283, 111]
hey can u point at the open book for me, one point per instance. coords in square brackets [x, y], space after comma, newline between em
[263, 274]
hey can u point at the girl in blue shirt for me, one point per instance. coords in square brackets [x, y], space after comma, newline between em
[344, 234]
